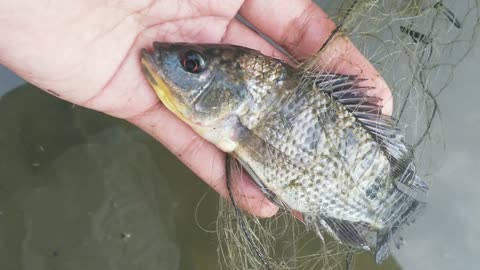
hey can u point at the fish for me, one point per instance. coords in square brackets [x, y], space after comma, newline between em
[313, 142]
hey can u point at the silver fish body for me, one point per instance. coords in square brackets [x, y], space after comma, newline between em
[314, 143]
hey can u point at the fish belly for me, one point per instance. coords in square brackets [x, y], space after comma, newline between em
[315, 158]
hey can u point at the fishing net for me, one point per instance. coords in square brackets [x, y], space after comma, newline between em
[416, 46]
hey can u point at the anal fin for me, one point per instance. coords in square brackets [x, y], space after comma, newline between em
[346, 232]
[383, 246]
[389, 235]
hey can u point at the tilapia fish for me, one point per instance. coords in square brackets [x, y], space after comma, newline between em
[313, 142]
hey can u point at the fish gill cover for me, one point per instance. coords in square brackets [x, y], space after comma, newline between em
[415, 45]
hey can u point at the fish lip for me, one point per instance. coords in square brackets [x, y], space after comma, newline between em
[145, 54]
[147, 62]
[152, 56]
[150, 59]
[147, 57]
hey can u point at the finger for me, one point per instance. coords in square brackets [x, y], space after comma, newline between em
[302, 28]
[203, 158]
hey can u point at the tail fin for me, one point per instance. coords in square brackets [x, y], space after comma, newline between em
[409, 178]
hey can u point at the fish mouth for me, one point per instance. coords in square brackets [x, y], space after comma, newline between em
[150, 68]
[147, 60]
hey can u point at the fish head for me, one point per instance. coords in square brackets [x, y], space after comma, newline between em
[199, 83]
[205, 84]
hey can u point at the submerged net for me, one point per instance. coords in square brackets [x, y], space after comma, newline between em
[415, 45]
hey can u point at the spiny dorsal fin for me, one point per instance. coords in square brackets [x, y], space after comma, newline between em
[346, 90]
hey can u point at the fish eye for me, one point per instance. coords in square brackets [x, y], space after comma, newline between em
[193, 62]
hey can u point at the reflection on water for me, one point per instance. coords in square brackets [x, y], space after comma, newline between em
[81, 190]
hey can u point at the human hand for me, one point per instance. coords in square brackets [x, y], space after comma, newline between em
[87, 52]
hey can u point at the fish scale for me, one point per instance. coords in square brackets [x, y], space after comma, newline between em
[313, 142]
[335, 176]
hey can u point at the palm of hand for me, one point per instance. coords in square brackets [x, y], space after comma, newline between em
[87, 52]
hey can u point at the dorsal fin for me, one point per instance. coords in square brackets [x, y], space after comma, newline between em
[346, 90]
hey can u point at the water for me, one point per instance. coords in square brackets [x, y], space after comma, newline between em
[446, 236]
[81, 190]
[8, 80]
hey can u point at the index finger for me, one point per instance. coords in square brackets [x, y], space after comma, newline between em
[302, 28]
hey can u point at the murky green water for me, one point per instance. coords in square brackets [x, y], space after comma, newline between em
[81, 190]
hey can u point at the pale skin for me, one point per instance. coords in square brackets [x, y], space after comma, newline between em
[87, 52]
